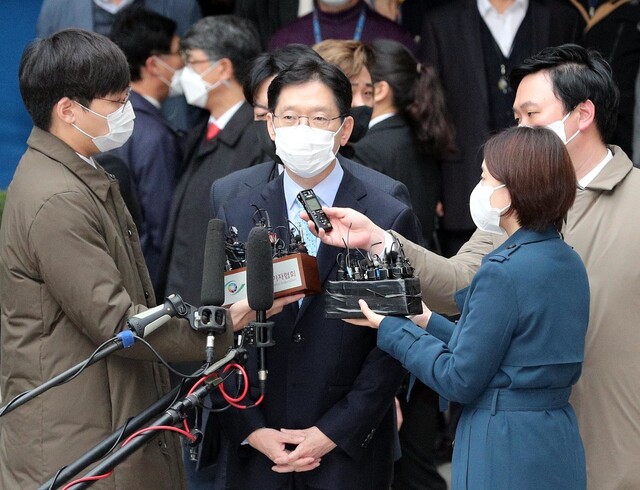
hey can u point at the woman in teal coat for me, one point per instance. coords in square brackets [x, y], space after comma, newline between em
[518, 347]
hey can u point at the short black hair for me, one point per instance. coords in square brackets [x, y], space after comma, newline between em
[72, 63]
[577, 74]
[225, 36]
[307, 70]
[140, 34]
[271, 63]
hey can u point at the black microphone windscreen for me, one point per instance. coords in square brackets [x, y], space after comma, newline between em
[259, 270]
[212, 293]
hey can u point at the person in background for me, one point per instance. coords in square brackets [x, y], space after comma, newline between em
[410, 129]
[153, 153]
[611, 27]
[486, 38]
[571, 90]
[218, 52]
[353, 58]
[518, 347]
[343, 19]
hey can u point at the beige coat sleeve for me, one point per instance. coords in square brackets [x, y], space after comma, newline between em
[440, 277]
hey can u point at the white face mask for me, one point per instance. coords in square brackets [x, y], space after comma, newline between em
[558, 128]
[120, 124]
[304, 150]
[484, 216]
[175, 87]
[195, 88]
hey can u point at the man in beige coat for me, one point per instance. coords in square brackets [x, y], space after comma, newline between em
[72, 272]
[570, 90]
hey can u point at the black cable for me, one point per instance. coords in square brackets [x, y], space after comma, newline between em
[81, 368]
[196, 375]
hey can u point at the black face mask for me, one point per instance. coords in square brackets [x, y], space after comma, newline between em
[361, 116]
[266, 143]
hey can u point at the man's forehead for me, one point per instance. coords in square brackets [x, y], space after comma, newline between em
[312, 96]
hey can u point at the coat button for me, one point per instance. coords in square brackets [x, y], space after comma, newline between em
[297, 338]
[129, 232]
[146, 294]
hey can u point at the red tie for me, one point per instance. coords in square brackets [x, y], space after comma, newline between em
[212, 131]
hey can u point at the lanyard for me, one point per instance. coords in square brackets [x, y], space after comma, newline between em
[356, 35]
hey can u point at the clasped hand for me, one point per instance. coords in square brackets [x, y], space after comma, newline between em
[311, 443]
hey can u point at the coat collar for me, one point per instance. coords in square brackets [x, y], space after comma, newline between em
[521, 237]
[613, 172]
[49, 145]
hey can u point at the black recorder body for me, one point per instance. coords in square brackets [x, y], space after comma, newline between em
[386, 283]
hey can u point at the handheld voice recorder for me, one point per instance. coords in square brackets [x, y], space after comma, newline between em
[313, 208]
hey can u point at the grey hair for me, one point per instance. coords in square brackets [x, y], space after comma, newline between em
[225, 36]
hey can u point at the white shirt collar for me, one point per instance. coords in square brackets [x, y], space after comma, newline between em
[325, 191]
[593, 173]
[503, 27]
[111, 7]
[89, 160]
[222, 121]
[379, 119]
[154, 102]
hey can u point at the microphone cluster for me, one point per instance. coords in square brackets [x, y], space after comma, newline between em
[283, 241]
[385, 282]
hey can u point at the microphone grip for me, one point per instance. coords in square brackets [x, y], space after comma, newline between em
[149, 320]
[261, 317]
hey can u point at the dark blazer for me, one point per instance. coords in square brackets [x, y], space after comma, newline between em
[323, 373]
[153, 154]
[391, 148]
[268, 15]
[236, 147]
[453, 33]
[246, 179]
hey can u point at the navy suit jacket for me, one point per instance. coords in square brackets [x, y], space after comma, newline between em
[241, 181]
[324, 373]
[236, 147]
[153, 154]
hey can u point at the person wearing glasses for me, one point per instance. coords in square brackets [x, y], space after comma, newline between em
[153, 153]
[327, 419]
[217, 53]
[72, 272]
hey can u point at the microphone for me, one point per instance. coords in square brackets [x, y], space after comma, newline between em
[149, 320]
[211, 317]
[260, 291]
[212, 292]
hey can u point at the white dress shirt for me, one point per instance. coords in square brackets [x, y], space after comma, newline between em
[503, 26]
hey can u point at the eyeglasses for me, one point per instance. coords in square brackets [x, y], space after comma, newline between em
[121, 101]
[318, 121]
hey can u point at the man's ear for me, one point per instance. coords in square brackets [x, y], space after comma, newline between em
[64, 110]
[381, 90]
[225, 68]
[587, 112]
[347, 127]
[270, 127]
[150, 66]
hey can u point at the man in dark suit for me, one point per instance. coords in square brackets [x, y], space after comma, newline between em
[329, 391]
[263, 70]
[491, 39]
[218, 51]
[153, 153]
